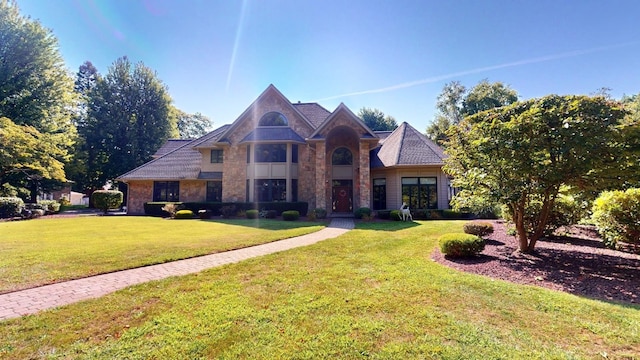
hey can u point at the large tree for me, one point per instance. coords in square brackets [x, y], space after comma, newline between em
[36, 92]
[87, 79]
[129, 117]
[191, 126]
[526, 152]
[376, 120]
[455, 102]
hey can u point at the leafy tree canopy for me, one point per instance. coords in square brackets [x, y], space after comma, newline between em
[36, 95]
[527, 151]
[191, 126]
[26, 154]
[129, 117]
[455, 102]
[376, 120]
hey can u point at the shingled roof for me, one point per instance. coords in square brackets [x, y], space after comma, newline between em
[183, 162]
[314, 112]
[169, 146]
[406, 146]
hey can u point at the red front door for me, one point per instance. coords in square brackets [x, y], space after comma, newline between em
[342, 199]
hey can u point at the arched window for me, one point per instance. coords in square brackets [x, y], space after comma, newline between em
[342, 156]
[273, 119]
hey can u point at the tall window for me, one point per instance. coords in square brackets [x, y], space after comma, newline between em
[342, 156]
[270, 153]
[214, 191]
[166, 191]
[216, 156]
[420, 192]
[271, 189]
[379, 194]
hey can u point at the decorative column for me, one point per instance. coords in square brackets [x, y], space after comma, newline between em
[321, 180]
[364, 176]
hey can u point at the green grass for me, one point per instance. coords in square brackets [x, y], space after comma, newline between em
[373, 293]
[43, 251]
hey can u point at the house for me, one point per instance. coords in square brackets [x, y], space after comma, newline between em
[277, 150]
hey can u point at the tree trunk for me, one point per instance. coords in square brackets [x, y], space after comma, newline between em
[521, 231]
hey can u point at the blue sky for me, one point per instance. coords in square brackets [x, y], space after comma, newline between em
[216, 57]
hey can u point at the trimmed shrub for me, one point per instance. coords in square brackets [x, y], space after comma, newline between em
[290, 215]
[461, 244]
[320, 213]
[228, 211]
[616, 214]
[50, 206]
[10, 207]
[361, 212]
[478, 228]
[252, 214]
[271, 214]
[395, 215]
[278, 206]
[184, 214]
[107, 199]
[452, 214]
[384, 214]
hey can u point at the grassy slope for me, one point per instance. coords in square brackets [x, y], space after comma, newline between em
[42, 251]
[368, 294]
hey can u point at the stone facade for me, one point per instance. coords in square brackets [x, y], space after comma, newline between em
[139, 192]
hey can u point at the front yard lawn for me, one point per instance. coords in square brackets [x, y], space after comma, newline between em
[373, 293]
[43, 251]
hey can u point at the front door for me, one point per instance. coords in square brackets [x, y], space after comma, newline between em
[342, 201]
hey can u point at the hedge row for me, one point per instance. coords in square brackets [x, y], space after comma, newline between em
[422, 214]
[215, 208]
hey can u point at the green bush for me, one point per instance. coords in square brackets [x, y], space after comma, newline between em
[290, 215]
[50, 206]
[616, 214]
[271, 214]
[252, 214]
[10, 207]
[107, 199]
[395, 215]
[320, 213]
[184, 214]
[461, 244]
[383, 214]
[278, 206]
[478, 228]
[362, 212]
[228, 211]
[452, 214]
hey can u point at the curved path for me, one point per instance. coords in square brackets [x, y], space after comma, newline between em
[30, 301]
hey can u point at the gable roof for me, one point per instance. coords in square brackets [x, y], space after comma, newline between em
[343, 109]
[271, 90]
[181, 163]
[406, 146]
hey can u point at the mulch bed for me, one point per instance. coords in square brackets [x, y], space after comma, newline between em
[576, 263]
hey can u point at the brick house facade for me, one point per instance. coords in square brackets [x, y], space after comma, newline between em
[282, 151]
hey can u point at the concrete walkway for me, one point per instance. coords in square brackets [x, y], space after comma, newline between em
[30, 301]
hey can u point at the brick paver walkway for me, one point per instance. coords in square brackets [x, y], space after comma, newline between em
[31, 301]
